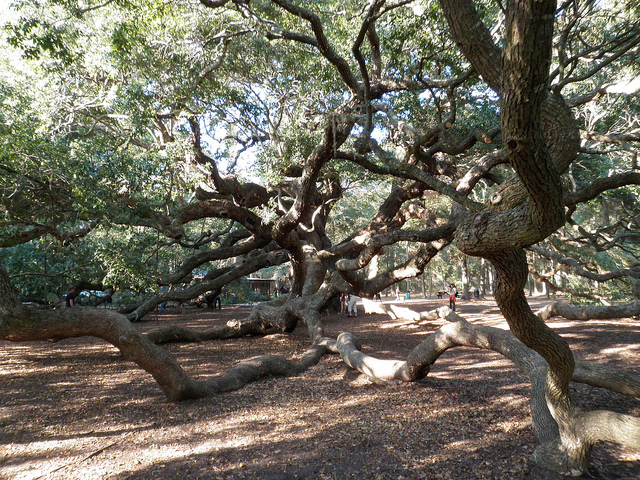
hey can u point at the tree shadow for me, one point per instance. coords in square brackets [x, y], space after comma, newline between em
[78, 406]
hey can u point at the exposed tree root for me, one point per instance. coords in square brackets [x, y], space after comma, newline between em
[349, 348]
[26, 324]
[460, 333]
[571, 312]
[397, 312]
[552, 453]
[254, 369]
[232, 329]
[142, 349]
[18, 323]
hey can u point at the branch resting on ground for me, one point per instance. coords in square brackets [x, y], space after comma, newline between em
[460, 333]
[625, 430]
[598, 312]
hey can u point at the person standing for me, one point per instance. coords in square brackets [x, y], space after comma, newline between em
[452, 297]
[343, 303]
[70, 298]
[163, 305]
[352, 309]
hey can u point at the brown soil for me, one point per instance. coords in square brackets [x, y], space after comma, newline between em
[76, 410]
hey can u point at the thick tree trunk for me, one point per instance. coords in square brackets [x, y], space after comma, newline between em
[534, 208]
[568, 453]
[476, 43]
[465, 277]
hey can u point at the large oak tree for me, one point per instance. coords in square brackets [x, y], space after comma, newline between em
[474, 123]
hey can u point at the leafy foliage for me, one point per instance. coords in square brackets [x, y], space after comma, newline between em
[97, 151]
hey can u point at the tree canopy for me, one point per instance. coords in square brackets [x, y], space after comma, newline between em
[335, 147]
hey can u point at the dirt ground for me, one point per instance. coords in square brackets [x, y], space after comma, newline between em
[76, 410]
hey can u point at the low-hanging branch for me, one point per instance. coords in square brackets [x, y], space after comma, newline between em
[578, 269]
[545, 278]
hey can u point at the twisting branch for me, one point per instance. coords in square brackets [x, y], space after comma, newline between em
[544, 278]
[459, 332]
[620, 46]
[577, 268]
[323, 43]
[367, 28]
[587, 313]
[373, 244]
[413, 172]
[216, 64]
[600, 185]
[481, 169]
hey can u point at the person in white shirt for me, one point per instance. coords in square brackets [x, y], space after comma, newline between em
[452, 297]
[352, 310]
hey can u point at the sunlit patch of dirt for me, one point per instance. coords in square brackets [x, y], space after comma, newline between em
[77, 410]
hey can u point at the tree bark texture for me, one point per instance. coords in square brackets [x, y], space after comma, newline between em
[527, 209]
[475, 42]
[588, 313]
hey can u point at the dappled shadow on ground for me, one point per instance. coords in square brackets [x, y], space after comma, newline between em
[76, 410]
